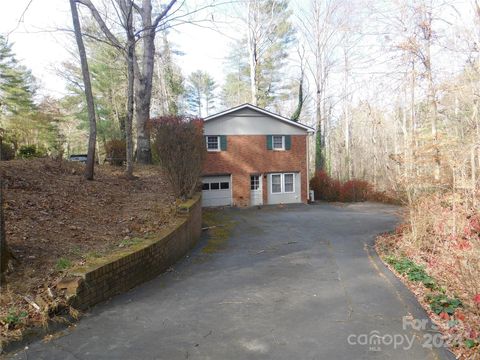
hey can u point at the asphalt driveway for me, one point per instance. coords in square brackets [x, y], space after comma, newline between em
[299, 282]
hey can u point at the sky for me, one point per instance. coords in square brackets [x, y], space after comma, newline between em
[39, 45]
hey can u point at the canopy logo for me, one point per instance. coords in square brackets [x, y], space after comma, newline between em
[431, 338]
[374, 340]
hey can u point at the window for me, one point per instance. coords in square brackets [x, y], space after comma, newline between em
[276, 183]
[254, 182]
[213, 143]
[282, 183]
[224, 185]
[278, 142]
[206, 186]
[288, 183]
[214, 186]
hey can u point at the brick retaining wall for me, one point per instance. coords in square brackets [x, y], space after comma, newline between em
[139, 263]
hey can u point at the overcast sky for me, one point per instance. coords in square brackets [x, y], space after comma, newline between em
[40, 46]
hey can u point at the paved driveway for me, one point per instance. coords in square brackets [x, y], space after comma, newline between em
[300, 282]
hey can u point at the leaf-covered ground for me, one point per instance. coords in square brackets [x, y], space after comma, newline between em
[55, 220]
[437, 255]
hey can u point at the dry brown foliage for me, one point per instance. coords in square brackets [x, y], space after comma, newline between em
[181, 151]
[53, 213]
[442, 233]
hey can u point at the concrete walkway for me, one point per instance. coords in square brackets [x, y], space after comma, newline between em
[300, 282]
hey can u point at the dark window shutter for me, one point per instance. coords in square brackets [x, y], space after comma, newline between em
[269, 142]
[223, 142]
[288, 142]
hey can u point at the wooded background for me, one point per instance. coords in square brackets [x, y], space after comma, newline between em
[392, 89]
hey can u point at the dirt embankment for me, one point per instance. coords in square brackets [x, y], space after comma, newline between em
[55, 219]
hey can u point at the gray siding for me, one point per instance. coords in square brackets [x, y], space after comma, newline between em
[249, 122]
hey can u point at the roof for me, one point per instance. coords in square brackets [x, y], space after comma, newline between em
[263, 111]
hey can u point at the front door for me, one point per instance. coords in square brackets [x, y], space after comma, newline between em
[256, 194]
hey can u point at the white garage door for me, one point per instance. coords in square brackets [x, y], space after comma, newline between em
[216, 191]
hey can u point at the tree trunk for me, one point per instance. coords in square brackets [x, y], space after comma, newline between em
[142, 110]
[5, 254]
[431, 92]
[127, 10]
[252, 51]
[143, 80]
[89, 168]
[319, 117]
[346, 109]
[143, 73]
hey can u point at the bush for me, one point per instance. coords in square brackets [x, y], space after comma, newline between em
[29, 151]
[332, 192]
[320, 184]
[327, 189]
[180, 145]
[116, 152]
[384, 197]
[7, 151]
[355, 190]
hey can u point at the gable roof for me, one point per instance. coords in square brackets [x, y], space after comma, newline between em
[262, 111]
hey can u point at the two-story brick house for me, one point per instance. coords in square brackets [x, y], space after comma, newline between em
[254, 157]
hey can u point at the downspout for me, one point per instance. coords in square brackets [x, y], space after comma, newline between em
[307, 140]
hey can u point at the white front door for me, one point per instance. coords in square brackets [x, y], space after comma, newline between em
[256, 193]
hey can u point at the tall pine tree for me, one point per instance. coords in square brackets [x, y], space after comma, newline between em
[16, 83]
[268, 34]
[200, 93]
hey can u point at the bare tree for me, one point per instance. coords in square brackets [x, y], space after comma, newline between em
[322, 48]
[143, 65]
[126, 7]
[89, 168]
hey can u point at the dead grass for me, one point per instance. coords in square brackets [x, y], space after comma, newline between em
[56, 220]
[442, 233]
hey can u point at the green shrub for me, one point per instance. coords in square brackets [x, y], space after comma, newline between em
[442, 303]
[28, 151]
[471, 343]
[413, 271]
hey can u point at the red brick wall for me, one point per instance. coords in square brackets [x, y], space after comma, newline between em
[248, 154]
[137, 264]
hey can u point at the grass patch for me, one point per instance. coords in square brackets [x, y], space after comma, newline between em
[94, 255]
[63, 264]
[14, 317]
[130, 241]
[221, 226]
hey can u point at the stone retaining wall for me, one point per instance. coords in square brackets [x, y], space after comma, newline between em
[137, 264]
